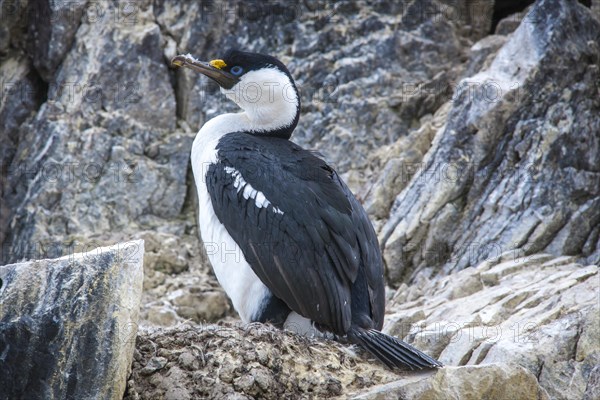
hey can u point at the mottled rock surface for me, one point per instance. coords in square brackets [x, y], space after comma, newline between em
[509, 328]
[539, 312]
[466, 137]
[516, 166]
[68, 325]
[258, 361]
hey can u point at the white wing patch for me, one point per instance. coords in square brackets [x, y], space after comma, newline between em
[240, 184]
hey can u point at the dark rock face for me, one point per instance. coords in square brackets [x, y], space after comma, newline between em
[68, 325]
[360, 68]
[51, 29]
[105, 132]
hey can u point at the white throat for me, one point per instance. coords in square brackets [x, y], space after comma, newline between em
[268, 99]
[269, 102]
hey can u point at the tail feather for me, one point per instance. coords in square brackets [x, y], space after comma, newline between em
[377, 352]
[391, 351]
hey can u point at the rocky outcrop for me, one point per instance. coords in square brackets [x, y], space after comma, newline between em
[68, 325]
[92, 141]
[445, 125]
[91, 152]
[97, 129]
[540, 312]
[516, 166]
[509, 328]
[470, 151]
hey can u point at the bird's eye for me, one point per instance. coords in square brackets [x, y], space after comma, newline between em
[237, 70]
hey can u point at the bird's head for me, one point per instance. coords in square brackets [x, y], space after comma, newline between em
[260, 84]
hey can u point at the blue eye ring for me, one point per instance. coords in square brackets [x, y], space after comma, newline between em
[236, 70]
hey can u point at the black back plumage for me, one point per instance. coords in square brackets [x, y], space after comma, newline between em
[311, 244]
[317, 256]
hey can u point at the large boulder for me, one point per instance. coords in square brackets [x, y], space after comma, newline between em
[68, 325]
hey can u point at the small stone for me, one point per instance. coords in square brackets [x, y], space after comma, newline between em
[155, 364]
[188, 361]
[226, 373]
[262, 378]
[199, 304]
[177, 393]
[246, 384]
[187, 313]
[161, 315]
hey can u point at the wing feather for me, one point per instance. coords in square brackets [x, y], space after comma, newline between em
[308, 256]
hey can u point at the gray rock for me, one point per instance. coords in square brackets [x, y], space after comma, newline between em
[464, 184]
[593, 387]
[102, 154]
[393, 164]
[483, 53]
[99, 184]
[538, 312]
[360, 68]
[13, 14]
[20, 97]
[161, 315]
[68, 325]
[516, 165]
[510, 23]
[51, 30]
[177, 283]
[199, 304]
[494, 381]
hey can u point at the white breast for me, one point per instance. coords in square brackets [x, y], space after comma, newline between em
[246, 290]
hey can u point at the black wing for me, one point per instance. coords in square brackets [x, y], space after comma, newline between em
[308, 243]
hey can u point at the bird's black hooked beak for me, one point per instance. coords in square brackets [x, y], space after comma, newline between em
[212, 69]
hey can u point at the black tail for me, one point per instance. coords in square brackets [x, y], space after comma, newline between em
[391, 351]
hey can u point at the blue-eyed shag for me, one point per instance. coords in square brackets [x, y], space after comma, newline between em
[287, 240]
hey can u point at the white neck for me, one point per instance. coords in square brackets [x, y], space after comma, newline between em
[268, 98]
[269, 102]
